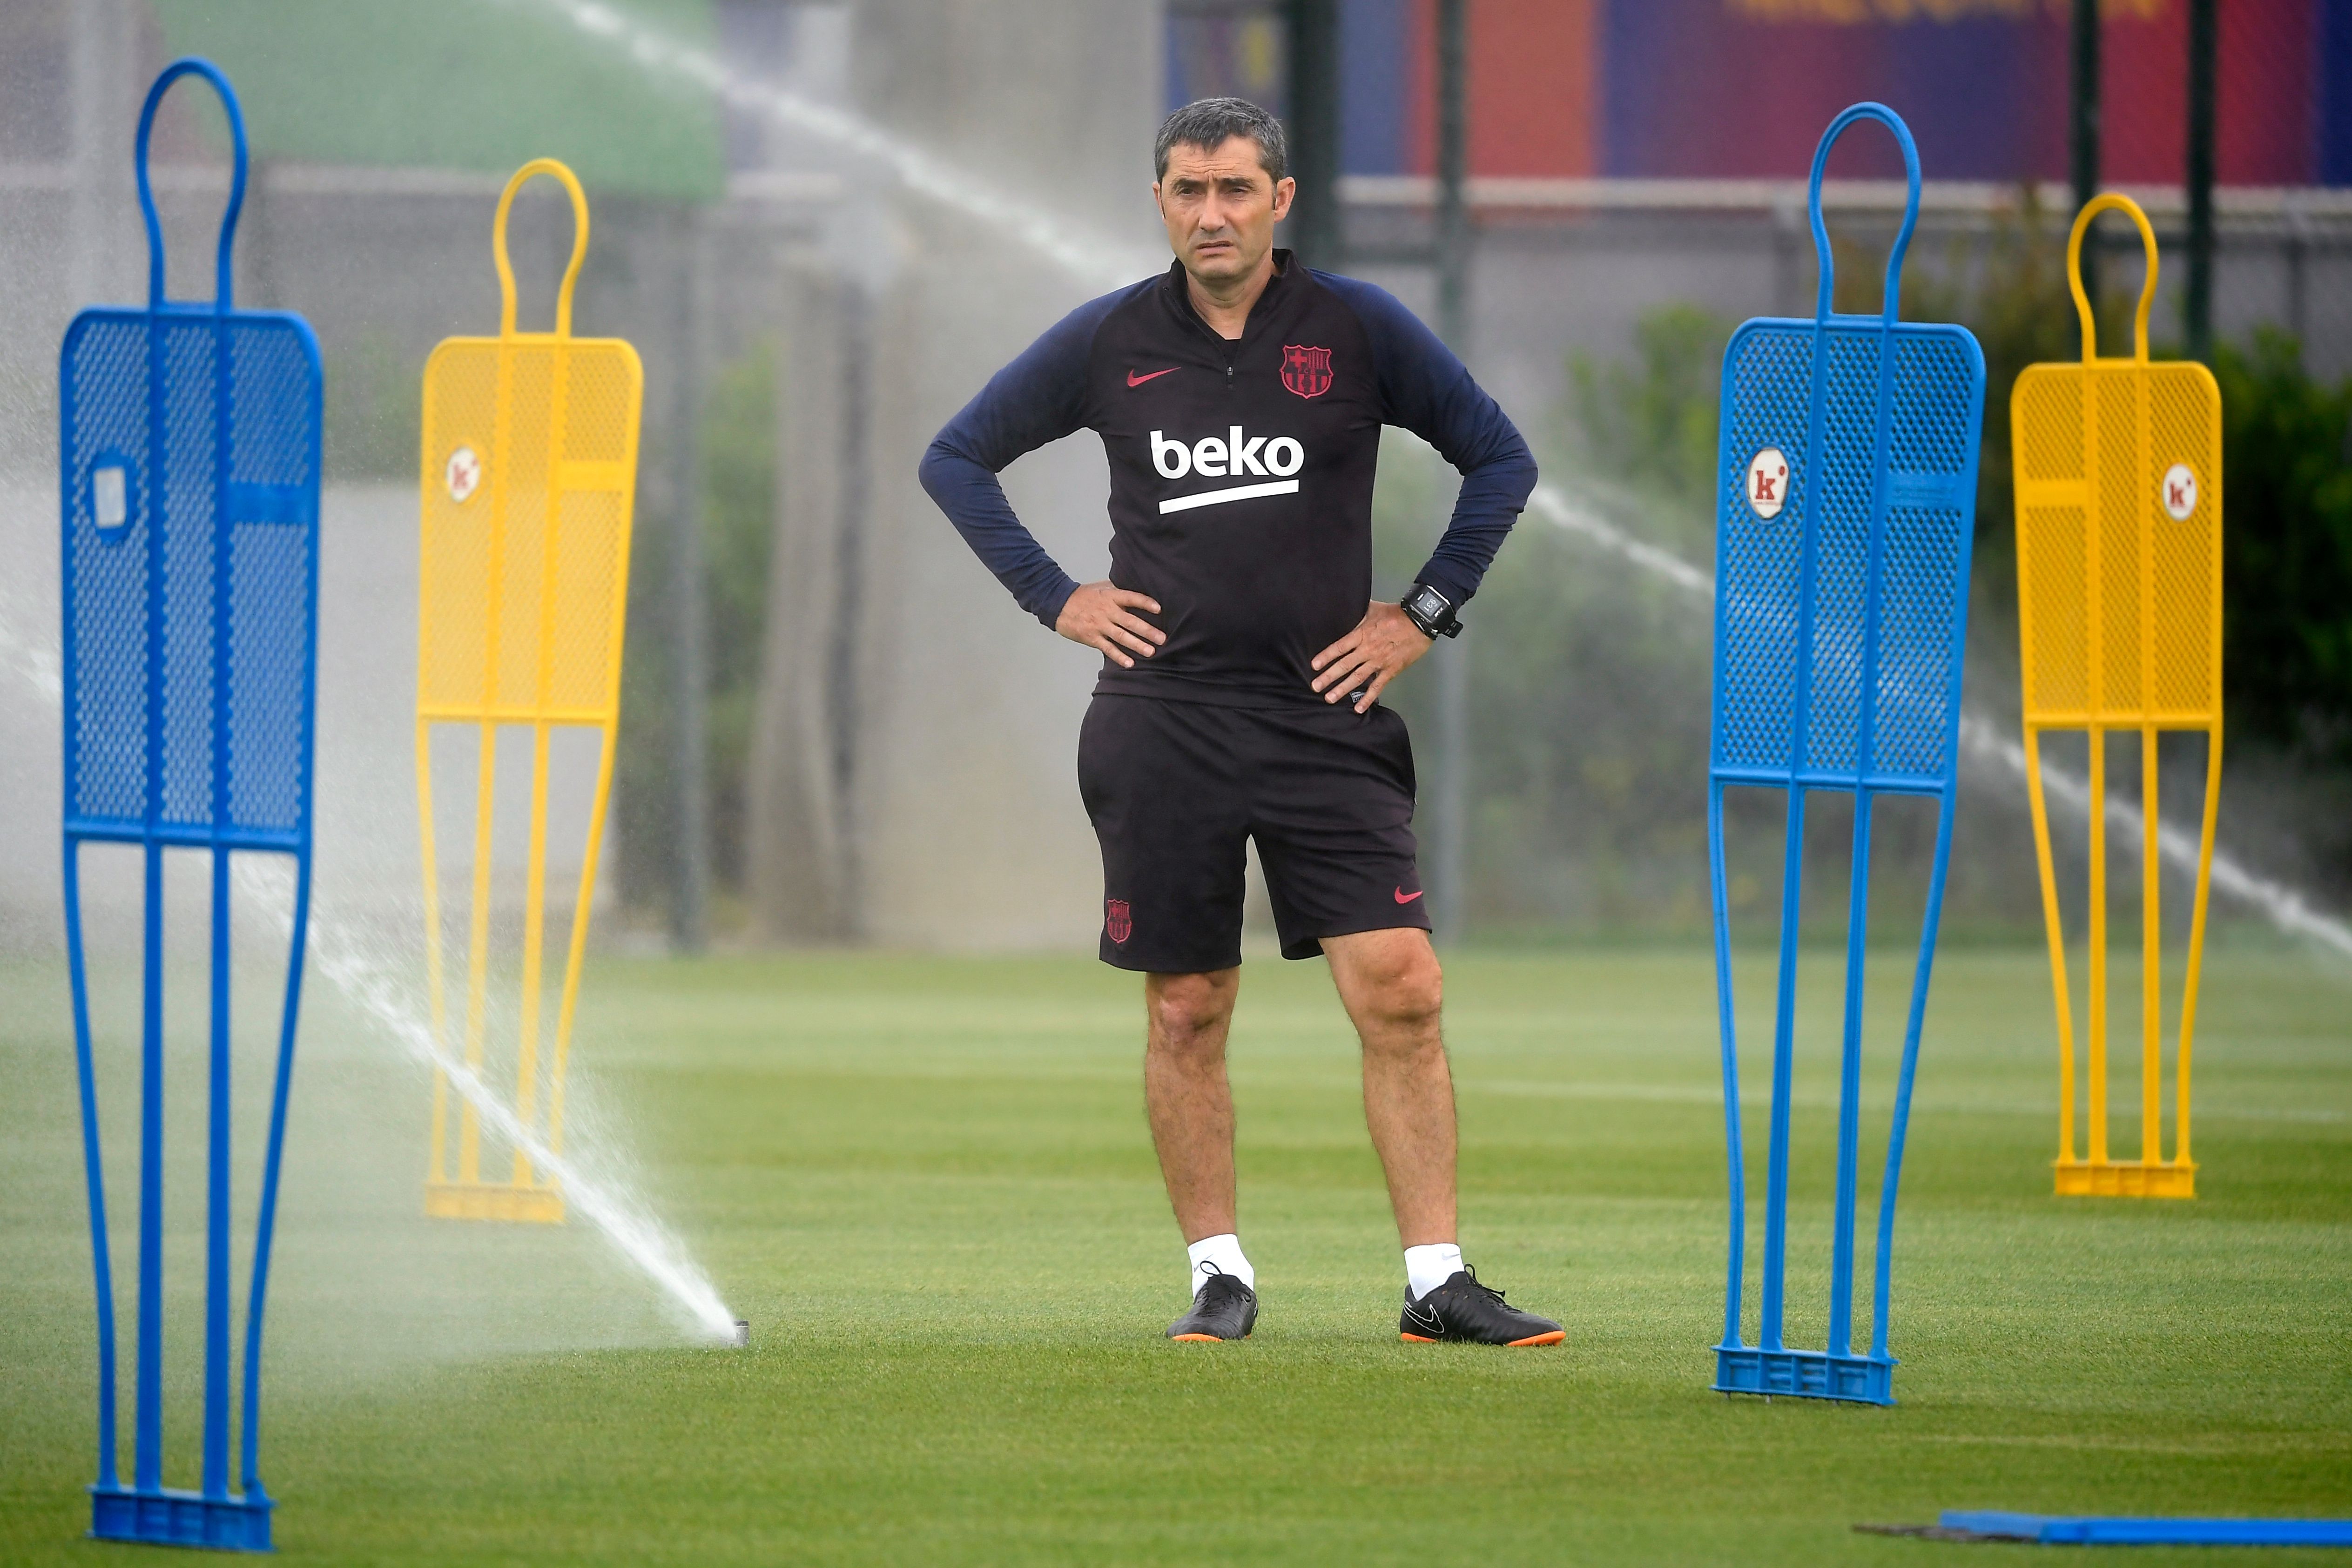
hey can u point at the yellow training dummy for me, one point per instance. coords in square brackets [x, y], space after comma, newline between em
[2118, 466]
[528, 469]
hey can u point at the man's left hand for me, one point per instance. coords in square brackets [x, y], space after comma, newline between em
[1382, 644]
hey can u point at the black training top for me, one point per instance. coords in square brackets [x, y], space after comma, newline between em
[1241, 471]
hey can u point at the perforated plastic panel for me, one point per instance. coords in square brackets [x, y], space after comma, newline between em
[524, 594]
[1864, 561]
[190, 472]
[2147, 646]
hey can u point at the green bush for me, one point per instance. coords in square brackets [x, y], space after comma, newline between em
[1651, 425]
[2287, 475]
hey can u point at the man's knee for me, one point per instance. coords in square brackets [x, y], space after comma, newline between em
[1403, 989]
[1188, 1013]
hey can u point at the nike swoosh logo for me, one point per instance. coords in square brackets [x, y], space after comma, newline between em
[1404, 897]
[1421, 1318]
[1135, 381]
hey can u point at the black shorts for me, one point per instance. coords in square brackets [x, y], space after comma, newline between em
[1175, 787]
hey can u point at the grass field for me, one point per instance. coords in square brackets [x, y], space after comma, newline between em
[928, 1185]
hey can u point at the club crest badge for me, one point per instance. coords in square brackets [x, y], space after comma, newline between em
[1115, 921]
[1304, 370]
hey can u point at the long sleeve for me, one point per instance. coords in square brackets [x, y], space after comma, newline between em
[1429, 392]
[1037, 399]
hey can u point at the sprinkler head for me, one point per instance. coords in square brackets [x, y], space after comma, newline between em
[741, 1338]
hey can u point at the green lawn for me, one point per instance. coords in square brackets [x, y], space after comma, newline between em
[928, 1185]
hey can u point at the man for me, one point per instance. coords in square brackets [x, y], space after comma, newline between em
[1240, 399]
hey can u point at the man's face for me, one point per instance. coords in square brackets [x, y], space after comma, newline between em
[1220, 208]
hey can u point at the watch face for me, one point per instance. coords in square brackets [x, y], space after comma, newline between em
[1430, 602]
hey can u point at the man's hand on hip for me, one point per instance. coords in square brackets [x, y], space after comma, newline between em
[1384, 643]
[1102, 616]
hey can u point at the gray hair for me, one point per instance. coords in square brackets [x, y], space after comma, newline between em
[1210, 122]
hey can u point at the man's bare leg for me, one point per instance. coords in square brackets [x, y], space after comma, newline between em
[1391, 984]
[1185, 1092]
[1192, 1110]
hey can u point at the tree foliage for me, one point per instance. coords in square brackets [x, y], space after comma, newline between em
[1652, 424]
[2286, 479]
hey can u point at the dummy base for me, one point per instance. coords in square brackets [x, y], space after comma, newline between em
[2126, 1178]
[492, 1201]
[167, 1518]
[1804, 1374]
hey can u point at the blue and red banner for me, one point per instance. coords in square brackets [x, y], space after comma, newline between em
[1740, 89]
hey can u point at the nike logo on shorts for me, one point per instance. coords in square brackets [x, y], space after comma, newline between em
[1135, 381]
[1404, 897]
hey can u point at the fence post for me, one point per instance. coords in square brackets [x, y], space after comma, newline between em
[1451, 804]
[2201, 49]
[2085, 128]
[690, 874]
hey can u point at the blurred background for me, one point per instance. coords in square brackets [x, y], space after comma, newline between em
[825, 224]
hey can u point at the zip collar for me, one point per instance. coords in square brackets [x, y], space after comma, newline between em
[1277, 289]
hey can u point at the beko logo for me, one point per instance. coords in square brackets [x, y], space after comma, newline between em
[1214, 457]
[1229, 456]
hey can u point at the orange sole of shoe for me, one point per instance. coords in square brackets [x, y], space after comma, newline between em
[1198, 1338]
[1553, 1338]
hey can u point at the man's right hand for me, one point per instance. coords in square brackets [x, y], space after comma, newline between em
[1103, 616]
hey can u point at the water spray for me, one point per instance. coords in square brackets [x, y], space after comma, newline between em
[2285, 907]
[36, 663]
[372, 986]
[1986, 742]
[1091, 257]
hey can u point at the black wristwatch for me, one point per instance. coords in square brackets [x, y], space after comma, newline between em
[1432, 612]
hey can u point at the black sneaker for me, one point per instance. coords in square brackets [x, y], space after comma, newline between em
[1463, 1309]
[1222, 1308]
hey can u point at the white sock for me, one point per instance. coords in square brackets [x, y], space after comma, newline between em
[1426, 1268]
[1218, 1255]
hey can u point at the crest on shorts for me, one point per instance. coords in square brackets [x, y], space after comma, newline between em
[1304, 370]
[1115, 920]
